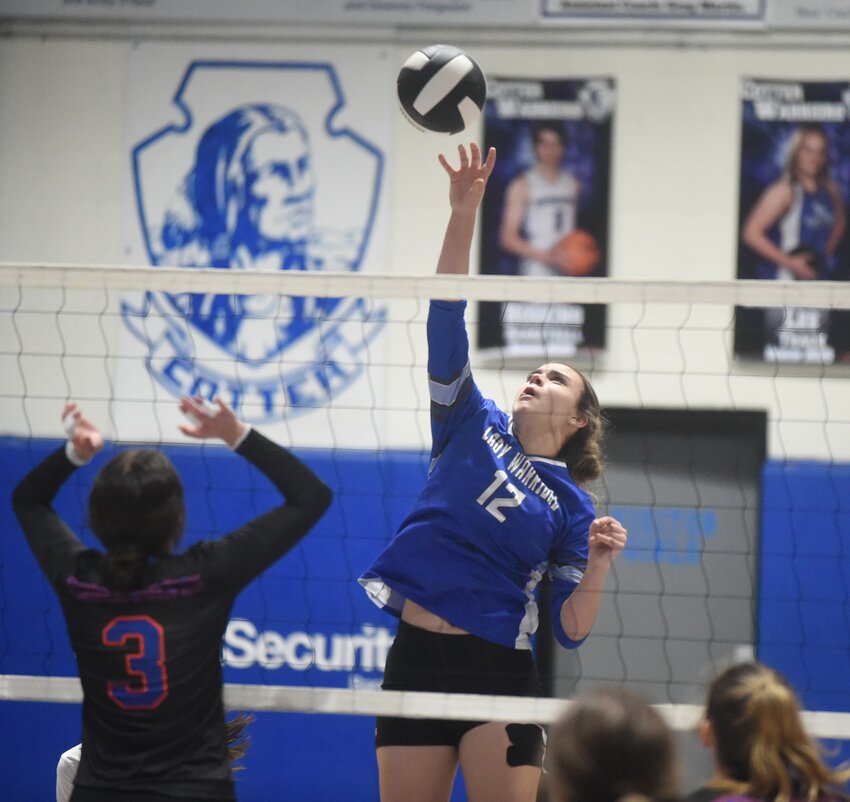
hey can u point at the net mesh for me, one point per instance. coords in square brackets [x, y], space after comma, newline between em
[721, 469]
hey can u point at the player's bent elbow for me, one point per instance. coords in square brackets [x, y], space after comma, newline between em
[566, 640]
[324, 497]
[317, 502]
[21, 499]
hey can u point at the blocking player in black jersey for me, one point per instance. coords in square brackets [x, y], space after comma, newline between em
[146, 622]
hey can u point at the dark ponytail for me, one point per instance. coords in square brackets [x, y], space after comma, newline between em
[124, 567]
[583, 450]
[136, 510]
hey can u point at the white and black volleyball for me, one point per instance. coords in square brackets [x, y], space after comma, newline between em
[441, 89]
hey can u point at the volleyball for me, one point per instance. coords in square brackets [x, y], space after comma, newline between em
[440, 88]
[579, 253]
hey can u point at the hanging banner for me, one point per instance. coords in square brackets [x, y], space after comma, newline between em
[259, 159]
[546, 211]
[734, 14]
[795, 170]
[737, 14]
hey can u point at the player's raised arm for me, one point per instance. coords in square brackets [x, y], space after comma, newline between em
[466, 189]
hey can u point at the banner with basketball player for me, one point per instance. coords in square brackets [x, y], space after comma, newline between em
[545, 212]
[795, 174]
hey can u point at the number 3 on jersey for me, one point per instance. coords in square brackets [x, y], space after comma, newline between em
[147, 679]
[493, 503]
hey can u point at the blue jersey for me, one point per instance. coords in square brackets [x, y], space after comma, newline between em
[491, 520]
[808, 223]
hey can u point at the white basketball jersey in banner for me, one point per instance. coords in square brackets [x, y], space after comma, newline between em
[550, 215]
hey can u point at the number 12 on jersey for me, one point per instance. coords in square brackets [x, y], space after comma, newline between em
[493, 503]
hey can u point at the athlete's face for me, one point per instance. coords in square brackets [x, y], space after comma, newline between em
[811, 156]
[549, 149]
[280, 186]
[549, 400]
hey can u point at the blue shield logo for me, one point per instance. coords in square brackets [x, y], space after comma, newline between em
[257, 175]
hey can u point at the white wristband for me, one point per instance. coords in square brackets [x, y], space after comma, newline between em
[73, 457]
[241, 438]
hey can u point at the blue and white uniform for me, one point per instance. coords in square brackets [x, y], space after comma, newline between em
[549, 216]
[491, 520]
[808, 223]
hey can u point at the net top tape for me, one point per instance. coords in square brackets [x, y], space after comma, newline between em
[740, 292]
[363, 702]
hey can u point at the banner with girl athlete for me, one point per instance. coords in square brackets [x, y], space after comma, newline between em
[546, 211]
[795, 173]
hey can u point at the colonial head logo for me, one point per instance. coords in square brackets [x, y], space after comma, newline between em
[263, 186]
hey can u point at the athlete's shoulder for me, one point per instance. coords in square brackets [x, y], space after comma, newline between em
[573, 497]
[569, 179]
[483, 417]
[490, 408]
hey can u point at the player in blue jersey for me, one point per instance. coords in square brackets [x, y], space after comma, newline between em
[795, 229]
[502, 507]
[798, 222]
[146, 622]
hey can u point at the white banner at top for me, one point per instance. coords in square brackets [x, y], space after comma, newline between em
[739, 13]
[813, 14]
[387, 13]
[702, 14]
[728, 14]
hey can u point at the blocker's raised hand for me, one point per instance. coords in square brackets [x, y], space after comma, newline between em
[220, 422]
[84, 436]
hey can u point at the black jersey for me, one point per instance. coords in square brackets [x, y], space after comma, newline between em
[149, 659]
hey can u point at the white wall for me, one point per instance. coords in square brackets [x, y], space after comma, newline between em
[64, 194]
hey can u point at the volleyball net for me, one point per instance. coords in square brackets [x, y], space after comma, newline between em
[728, 461]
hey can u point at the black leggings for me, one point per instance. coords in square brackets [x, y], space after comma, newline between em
[420, 660]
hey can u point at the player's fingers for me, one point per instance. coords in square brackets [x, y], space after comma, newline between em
[193, 403]
[196, 414]
[475, 154]
[446, 166]
[609, 540]
[70, 419]
[464, 158]
[490, 163]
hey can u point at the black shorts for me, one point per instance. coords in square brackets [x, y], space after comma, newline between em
[420, 660]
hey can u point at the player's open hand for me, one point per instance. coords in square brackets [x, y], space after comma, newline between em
[607, 538]
[467, 183]
[85, 437]
[207, 422]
